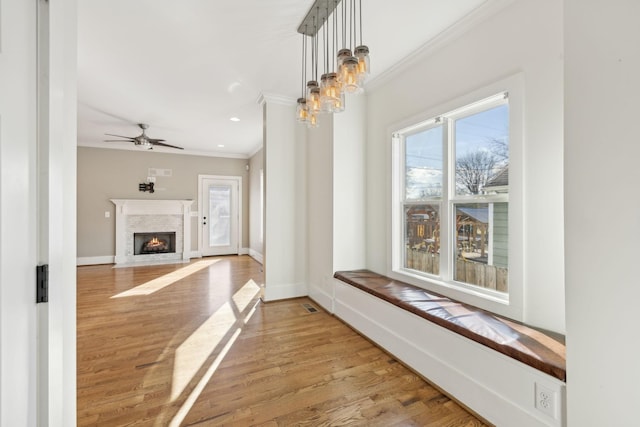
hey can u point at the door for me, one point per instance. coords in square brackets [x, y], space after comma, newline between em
[37, 211]
[219, 215]
[18, 221]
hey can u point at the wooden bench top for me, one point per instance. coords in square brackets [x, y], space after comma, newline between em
[544, 351]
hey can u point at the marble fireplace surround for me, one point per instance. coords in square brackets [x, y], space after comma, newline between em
[147, 216]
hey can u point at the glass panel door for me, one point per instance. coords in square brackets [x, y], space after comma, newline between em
[219, 199]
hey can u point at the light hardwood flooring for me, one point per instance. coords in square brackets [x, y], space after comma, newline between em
[192, 344]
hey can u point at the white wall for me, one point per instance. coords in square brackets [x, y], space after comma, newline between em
[256, 167]
[320, 209]
[602, 208]
[336, 197]
[349, 215]
[285, 208]
[525, 37]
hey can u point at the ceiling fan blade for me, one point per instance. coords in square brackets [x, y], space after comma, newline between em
[152, 140]
[120, 136]
[165, 145]
[117, 140]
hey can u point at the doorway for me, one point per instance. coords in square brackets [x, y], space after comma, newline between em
[219, 204]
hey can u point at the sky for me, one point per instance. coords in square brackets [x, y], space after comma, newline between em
[424, 149]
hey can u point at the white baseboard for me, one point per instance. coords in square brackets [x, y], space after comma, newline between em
[495, 386]
[322, 297]
[244, 251]
[286, 291]
[257, 256]
[196, 254]
[95, 260]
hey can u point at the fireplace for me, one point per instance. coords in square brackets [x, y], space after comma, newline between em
[139, 221]
[154, 243]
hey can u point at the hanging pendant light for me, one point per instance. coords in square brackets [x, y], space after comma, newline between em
[343, 73]
[302, 111]
[349, 75]
[361, 52]
[313, 89]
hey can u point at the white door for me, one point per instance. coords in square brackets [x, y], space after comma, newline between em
[37, 211]
[18, 207]
[219, 215]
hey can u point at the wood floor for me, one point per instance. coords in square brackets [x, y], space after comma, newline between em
[192, 344]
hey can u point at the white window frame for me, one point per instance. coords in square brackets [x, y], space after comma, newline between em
[511, 304]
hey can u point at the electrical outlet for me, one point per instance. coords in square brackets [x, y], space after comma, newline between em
[546, 400]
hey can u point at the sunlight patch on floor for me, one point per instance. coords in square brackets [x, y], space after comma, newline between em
[197, 390]
[194, 351]
[243, 297]
[168, 279]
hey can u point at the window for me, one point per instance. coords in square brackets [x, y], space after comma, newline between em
[451, 214]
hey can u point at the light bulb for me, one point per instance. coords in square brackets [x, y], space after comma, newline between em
[349, 75]
[302, 112]
[330, 92]
[313, 120]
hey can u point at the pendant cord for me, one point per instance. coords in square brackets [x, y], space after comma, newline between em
[303, 65]
[360, 1]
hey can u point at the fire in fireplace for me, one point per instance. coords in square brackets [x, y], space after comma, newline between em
[154, 243]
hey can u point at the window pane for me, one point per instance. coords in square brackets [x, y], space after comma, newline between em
[423, 177]
[219, 215]
[422, 238]
[481, 244]
[482, 152]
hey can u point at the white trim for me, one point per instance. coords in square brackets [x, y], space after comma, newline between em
[196, 254]
[322, 298]
[95, 260]
[255, 150]
[256, 255]
[510, 305]
[200, 153]
[273, 98]
[243, 251]
[285, 291]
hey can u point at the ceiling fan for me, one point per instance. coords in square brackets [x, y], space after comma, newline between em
[142, 140]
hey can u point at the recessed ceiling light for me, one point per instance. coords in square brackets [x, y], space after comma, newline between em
[220, 145]
[234, 119]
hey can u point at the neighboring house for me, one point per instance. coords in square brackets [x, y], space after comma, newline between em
[499, 183]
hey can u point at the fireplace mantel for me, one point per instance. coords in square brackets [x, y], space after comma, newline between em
[175, 214]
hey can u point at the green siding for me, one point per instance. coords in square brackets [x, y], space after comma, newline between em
[500, 235]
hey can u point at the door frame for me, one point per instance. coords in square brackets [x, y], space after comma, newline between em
[238, 180]
[38, 196]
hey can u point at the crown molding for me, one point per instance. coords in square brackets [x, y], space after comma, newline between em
[272, 98]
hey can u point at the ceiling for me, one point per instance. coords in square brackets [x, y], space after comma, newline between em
[186, 67]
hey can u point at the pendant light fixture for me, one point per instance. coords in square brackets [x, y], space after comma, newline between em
[362, 54]
[302, 111]
[343, 73]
